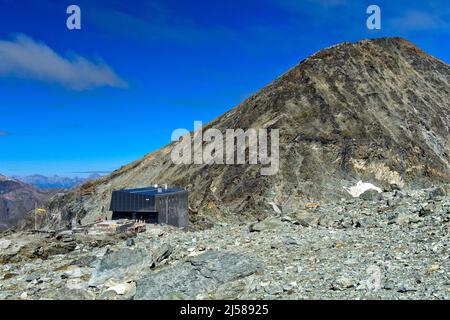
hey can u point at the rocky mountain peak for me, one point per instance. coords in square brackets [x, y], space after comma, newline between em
[375, 110]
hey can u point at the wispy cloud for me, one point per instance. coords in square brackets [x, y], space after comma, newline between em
[3, 133]
[419, 21]
[26, 58]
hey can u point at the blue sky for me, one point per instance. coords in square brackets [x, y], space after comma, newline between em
[94, 99]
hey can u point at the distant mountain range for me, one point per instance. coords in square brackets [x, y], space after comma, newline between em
[17, 199]
[21, 195]
[55, 182]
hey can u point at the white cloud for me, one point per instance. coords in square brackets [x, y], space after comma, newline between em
[26, 58]
[3, 133]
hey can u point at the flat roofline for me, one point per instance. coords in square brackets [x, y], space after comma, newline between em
[152, 191]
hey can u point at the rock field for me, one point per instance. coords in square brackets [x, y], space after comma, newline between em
[392, 245]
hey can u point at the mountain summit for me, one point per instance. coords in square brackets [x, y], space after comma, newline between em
[375, 110]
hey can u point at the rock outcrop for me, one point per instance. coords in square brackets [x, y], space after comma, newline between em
[196, 277]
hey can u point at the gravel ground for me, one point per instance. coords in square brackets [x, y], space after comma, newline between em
[392, 245]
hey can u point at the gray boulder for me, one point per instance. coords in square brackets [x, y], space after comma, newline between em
[267, 224]
[306, 218]
[162, 252]
[371, 195]
[121, 266]
[441, 191]
[197, 277]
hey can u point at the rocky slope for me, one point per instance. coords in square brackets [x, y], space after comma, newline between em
[393, 245]
[17, 199]
[376, 110]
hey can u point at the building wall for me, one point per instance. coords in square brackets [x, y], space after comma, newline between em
[173, 209]
[130, 202]
[182, 209]
[169, 208]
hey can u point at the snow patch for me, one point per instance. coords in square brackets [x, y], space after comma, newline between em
[360, 188]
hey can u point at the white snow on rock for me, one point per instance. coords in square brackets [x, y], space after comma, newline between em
[275, 207]
[122, 288]
[360, 188]
[4, 244]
